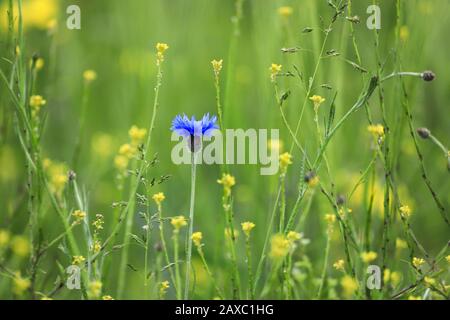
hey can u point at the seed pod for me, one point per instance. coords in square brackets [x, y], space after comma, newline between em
[428, 75]
[340, 200]
[72, 175]
[424, 133]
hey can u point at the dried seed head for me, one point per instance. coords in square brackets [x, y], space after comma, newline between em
[71, 175]
[158, 247]
[340, 200]
[424, 133]
[428, 75]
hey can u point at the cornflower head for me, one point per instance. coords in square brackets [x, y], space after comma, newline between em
[279, 246]
[368, 256]
[5, 236]
[311, 179]
[178, 223]
[89, 76]
[285, 161]
[78, 260]
[95, 289]
[197, 238]
[137, 135]
[317, 101]
[339, 265]
[20, 285]
[285, 11]
[217, 66]
[20, 246]
[349, 286]
[405, 211]
[274, 69]
[247, 227]
[193, 129]
[228, 181]
[158, 198]
[418, 262]
[160, 49]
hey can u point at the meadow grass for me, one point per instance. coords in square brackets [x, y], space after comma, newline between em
[363, 152]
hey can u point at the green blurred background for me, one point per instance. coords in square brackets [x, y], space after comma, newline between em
[117, 40]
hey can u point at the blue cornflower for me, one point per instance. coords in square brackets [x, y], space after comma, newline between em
[194, 128]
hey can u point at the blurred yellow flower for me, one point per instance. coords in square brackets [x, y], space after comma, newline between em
[414, 298]
[5, 235]
[197, 238]
[20, 285]
[160, 48]
[158, 198]
[446, 258]
[247, 227]
[400, 244]
[377, 130]
[121, 162]
[317, 100]
[339, 265]
[228, 181]
[330, 218]
[217, 66]
[79, 215]
[107, 297]
[285, 161]
[89, 76]
[293, 236]
[20, 246]
[404, 33]
[96, 247]
[418, 262]
[429, 281]
[36, 102]
[163, 287]
[137, 135]
[285, 11]
[369, 256]
[102, 145]
[95, 289]
[35, 13]
[279, 246]
[405, 211]
[127, 150]
[228, 233]
[349, 286]
[274, 69]
[178, 222]
[78, 260]
[275, 145]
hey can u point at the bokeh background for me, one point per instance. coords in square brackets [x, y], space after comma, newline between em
[117, 40]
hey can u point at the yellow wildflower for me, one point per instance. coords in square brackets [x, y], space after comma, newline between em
[137, 135]
[414, 298]
[79, 215]
[96, 247]
[5, 235]
[228, 233]
[36, 103]
[339, 265]
[377, 130]
[330, 218]
[404, 33]
[274, 69]
[95, 288]
[285, 11]
[78, 260]
[429, 281]
[418, 262]
[107, 297]
[279, 246]
[217, 66]
[20, 246]
[102, 145]
[20, 285]
[400, 244]
[98, 222]
[405, 211]
[178, 222]
[121, 162]
[89, 76]
[247, 227]
[160, 48]
[197, 238]
[228, 181]
[293, 236]
[446, 258]
[163, 286]
[312, 179]
[127, 150]
[285, 161]
[395, 278]
[349, 286]
[158, 198]
[46, 298]
[35, 13]
[317, 100]
[369, 256]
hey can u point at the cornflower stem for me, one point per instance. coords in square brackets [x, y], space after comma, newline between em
[325, 265]
[439, 144]
[190, 227]
[251, 294]
[175, 238]
[206, 267]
